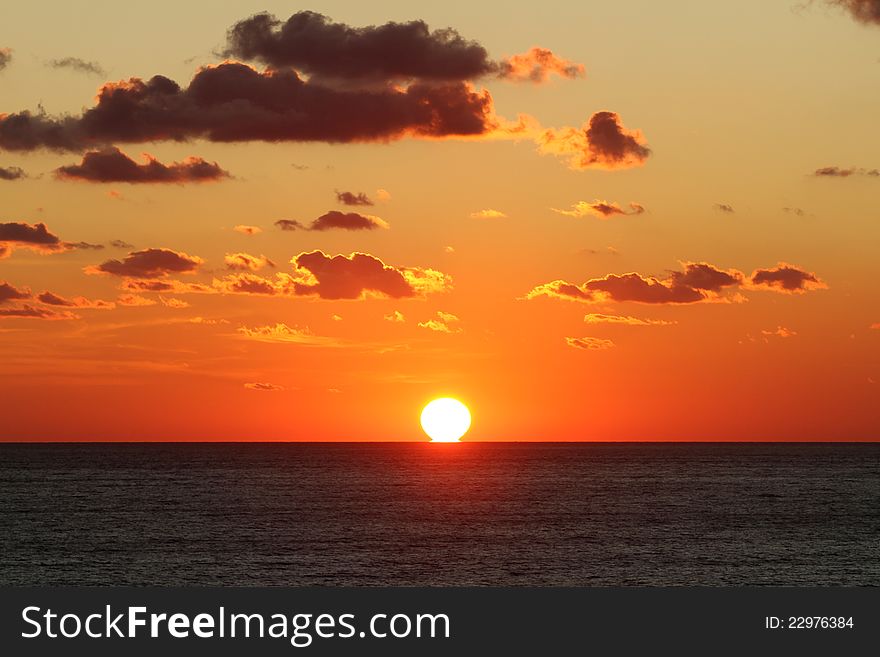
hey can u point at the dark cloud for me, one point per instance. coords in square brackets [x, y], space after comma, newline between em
[347, 221]
[697, 282]
[86, 246]
[31, 312]
[5, 57]
[724, 207]
[330, 83]
[12, 173]
[36, 237]
[313, 43]
[335, 220]
[316, 45]
[149, 263]
[25, 131]
[51, 299]
[349, 198]
[11, 293]
[121, 244]
[703, 276]
[360, 275]
[165, 285]
[603, 142]
[798, 212]
[864, 11]
[839, 172]
[610, 143]
[350, 277]
[232, 102]
[112, 165]
[786, 278]
[634, 287]
[78, 65]
[290, 224]
[23, 233]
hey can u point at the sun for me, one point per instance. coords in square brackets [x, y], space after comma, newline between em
[446, 420]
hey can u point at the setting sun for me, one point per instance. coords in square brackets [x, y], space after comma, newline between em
[445, 420]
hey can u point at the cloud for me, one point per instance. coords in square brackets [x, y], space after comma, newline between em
[537, 65]
[264, 387]
[347, 221]
[78, 65]
[246, 262]
[170, 286]
[30, 312]
[134, 300]
[207, 321]
[838, 172]
[12, 173]
[599, 318]
[247, 230]
[148, 263]
[697, 282]
[313, 43]
[332, 83]
[51, 299]
[177, 304]
[5, 57]
[335, 220]
[589, 344]
[703, 276]
[247, 283]
[360, 275]
[864, 11]
[396, 317]
[290, 224]
[121, 244]
[780, 332]
[232, 102]
[798, 212]
[602, 143]
[349, 198]
[488, 214]
[608, 250]
[383, 195]
[442, 324]
[112, 165]
[10, 293]
[601, 209]
[786, 278]
[283, 333]
[36, 237]
[85, 246]
[725, 208]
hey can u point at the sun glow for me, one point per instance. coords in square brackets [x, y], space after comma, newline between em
[445, 420]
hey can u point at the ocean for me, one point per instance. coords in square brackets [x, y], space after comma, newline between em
[412, 514]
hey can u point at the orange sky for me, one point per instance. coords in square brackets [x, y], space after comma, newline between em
[588, 223]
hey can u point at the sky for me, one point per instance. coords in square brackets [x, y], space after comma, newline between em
[588, 221]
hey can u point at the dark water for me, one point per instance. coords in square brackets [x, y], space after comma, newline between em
[421, 514]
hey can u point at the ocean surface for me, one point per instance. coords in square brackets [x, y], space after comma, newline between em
[594, 514]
